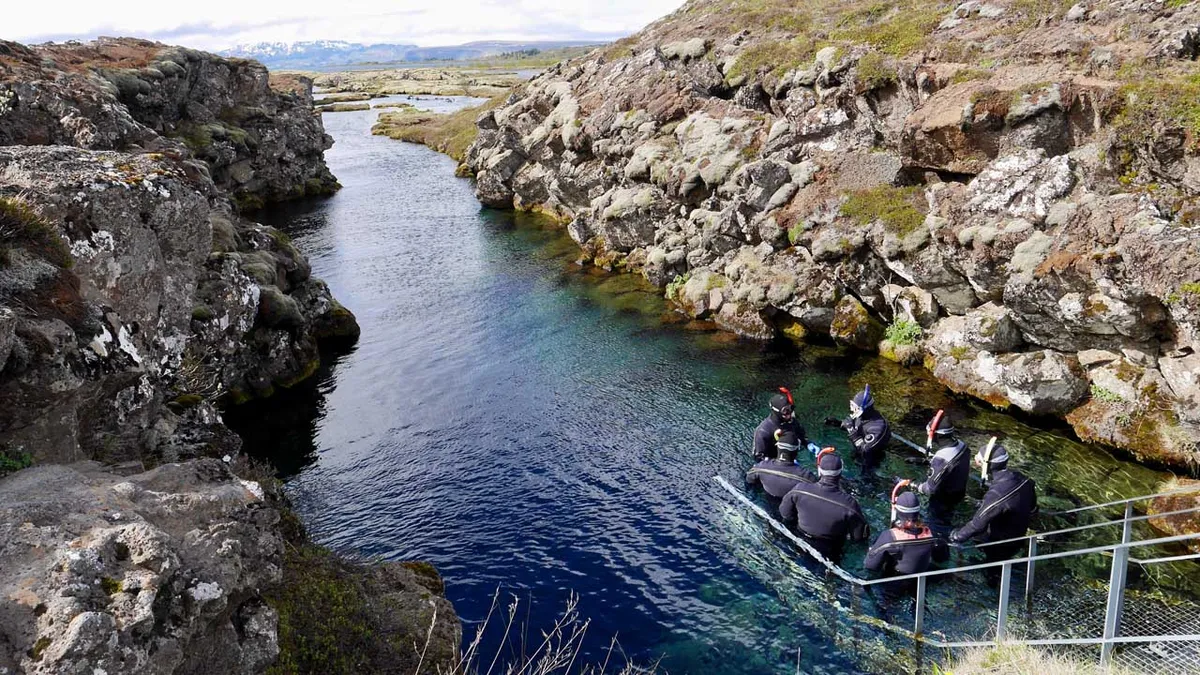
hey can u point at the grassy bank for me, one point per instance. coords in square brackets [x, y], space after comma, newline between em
[449, 133]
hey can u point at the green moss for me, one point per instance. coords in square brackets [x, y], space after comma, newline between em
[903, 332]
[1106, 395]
[1190, 288]
[960, 352]
[875, 71]
[22, 227]
[38, 647]
[186, 401]
[110, 586]
[324, 620]
[895, 207]
[202, 313]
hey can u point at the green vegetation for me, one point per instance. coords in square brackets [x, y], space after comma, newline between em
[1153, 102]
[960, 352]
[676, 285]
[110, 586]
[970, 74]
[1106, 395]
[1190, 288]
[772, 56]
[893, 28]
[875, 71]
[324, 622]
[900, 209]
[22, 227]
[202, 313]
[902, 332]
[14, 461]
[796, 231]
[450, 133]
[38, 647]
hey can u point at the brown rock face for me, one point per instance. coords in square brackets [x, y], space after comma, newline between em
[1032, 172]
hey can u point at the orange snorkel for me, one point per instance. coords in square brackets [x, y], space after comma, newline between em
[896, 493]
[932, 429]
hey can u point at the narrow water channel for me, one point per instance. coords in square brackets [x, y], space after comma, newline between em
[528, 425]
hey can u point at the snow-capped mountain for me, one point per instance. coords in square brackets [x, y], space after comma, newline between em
[319, 54]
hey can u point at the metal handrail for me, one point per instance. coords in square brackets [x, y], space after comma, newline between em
[841, 572]
[1089, 526]
[1116, 585]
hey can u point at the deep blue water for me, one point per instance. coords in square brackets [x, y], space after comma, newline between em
[529, 426]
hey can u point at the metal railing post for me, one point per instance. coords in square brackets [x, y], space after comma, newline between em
[1029, 571]
[1116, 589]
[919, 613]
[1002, 611]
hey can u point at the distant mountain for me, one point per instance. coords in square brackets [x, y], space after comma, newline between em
[322, 54]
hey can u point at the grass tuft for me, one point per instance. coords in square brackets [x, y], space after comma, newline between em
[903, 332]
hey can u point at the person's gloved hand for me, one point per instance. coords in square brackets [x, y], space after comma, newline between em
[832, 422]
[923, 489]
[956, 538]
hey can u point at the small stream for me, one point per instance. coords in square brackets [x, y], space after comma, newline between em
[536, 427]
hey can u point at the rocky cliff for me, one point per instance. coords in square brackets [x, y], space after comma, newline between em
[132, 296]
[259, 143]
[1006, 191]
[187, 569]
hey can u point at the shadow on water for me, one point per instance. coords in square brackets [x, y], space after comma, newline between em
[531, 425]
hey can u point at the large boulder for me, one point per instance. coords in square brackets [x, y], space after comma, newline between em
[159, 572]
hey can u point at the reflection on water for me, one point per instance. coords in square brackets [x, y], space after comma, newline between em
[526, 424]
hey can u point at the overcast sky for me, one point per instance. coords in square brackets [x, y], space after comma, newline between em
[217, 24]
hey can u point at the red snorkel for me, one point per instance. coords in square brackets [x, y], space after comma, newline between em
[932, 429]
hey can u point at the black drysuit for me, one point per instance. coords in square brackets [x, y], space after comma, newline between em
[904, 550]
[764, 436]
[778, 477]
[870, 434]
[949, 471]
[824, 515]
[1005, 513]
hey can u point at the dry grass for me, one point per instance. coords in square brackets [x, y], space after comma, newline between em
[1015, 659]
[556, 652]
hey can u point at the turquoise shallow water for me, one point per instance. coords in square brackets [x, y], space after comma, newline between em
[529, 425]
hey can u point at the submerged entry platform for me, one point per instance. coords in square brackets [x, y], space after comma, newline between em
[1140, 630]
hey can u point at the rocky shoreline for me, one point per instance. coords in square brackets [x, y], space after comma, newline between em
[1002, 192]
[136, 297]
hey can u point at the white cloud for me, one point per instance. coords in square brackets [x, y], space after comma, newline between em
[216, 24]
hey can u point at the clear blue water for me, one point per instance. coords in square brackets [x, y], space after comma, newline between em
[528, 425]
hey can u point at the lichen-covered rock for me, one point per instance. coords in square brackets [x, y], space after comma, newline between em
[132, 287]
[159, 572]
[1178, 523]
[188, 569]
[853, 325]
[955, 153]
[258, 144]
